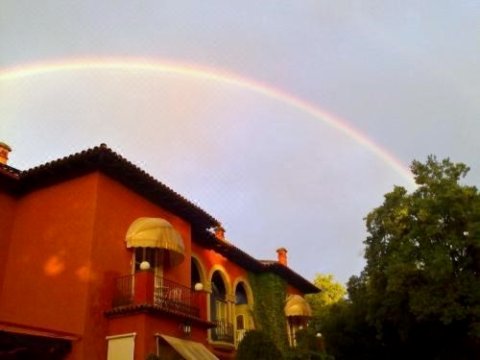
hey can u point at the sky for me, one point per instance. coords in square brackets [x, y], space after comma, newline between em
[286, 120]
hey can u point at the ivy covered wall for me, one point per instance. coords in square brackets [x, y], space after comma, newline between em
[270, 292]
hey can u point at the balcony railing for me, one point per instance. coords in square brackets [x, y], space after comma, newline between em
[171, 296]
[223, 331]
[144, 288]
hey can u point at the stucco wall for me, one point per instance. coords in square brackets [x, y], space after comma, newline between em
[7, 214]
[50, 247]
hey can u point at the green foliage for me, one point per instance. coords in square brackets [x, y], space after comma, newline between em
[309, 346]
[258, 345]
[419, 294]
[423, 273]
[347, 333]
[323, 304]
[270, 292]
[344, 328]
[331, 293]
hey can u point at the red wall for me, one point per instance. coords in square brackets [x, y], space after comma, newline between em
[210, 258]
[7, 213]
[50, 245]
[67, 246]
[116, 208]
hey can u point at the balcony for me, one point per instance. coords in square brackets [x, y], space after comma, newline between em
[223, 331]
[147, 291]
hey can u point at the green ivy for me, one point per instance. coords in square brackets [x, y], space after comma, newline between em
[270, 292]
[258, 345]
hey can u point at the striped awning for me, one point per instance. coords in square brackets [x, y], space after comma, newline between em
[296, 305]
[156, 233]
[189, 350]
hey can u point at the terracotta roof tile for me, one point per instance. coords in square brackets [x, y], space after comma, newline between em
[243, 259]
[103, 159]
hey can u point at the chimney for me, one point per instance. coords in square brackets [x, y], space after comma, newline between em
[220, 232]
[282, 256]
[4, 151]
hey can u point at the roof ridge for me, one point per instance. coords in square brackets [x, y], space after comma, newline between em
[103, 158]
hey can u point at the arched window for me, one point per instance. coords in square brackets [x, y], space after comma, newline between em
[219, 310]
[198, 274]
[240, 295]
[195, 277]
[243, 314]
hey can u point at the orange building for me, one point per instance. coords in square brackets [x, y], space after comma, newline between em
[100, 260]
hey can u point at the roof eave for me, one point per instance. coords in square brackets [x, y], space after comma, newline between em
[108, 162]
[241, 258]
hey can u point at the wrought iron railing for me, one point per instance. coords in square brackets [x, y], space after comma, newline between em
[161, 293]
[223, 331]
[171, 296]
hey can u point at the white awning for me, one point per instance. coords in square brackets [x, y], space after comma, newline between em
[156, 233]
[189, 350]
[297, 306]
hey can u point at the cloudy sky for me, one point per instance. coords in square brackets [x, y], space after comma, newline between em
[286, 120]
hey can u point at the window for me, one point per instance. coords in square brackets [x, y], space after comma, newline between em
[195, 276]
[240, 322]
[240, 295]
[243, 315]
[219, 310]
[121, 347]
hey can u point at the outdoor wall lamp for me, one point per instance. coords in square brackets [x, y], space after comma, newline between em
[198, 286]
[144, 265]
[187, 328]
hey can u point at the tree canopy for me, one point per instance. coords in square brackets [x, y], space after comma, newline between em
[332, 292]
[419, 294]
[257, 345]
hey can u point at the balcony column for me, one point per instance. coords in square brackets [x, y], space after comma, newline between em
[230, 298]
[144, 284]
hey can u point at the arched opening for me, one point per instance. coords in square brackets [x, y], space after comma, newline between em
[219, 310]
[243, 315]
[198, 274]
[195, 277]
[240, 295]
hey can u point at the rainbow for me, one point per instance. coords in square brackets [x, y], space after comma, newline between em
[135, 65]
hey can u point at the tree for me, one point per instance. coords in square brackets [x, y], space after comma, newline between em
[422, 277]
[345, 328]
[257, 344]
[309, 346]
[332, 292]
[325, 306]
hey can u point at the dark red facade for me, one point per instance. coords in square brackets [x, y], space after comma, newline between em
[72, 287]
